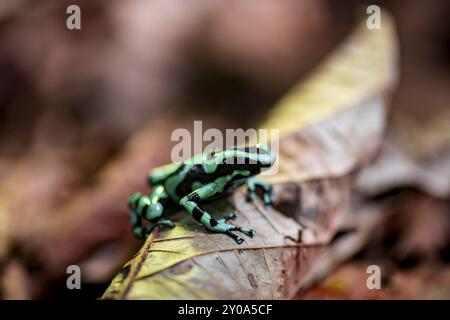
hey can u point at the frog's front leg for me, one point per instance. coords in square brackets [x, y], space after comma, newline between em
[150, 208]
[252, 184]
[190, 203]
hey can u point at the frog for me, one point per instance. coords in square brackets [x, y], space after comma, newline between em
[205, 177]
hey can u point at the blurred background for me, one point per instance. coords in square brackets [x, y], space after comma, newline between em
[85, 114]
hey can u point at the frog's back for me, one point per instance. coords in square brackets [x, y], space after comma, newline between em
[161, 174]
[191, 177]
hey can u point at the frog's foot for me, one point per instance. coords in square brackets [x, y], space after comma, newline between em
[239, 240]
[251, 195]
[227, 228]
[138, 232]
[267, 197]
[152, 225]
[254, 183]
[230, 216]
[190, 203]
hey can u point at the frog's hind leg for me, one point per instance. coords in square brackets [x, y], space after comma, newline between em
[254, 183]
[152, 225]
[190, 203]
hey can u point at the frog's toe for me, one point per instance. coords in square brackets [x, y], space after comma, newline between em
[165, 223]
[250, 232]
[230, 216]
[251, 196]
[226, 228]
[138, 232]
[236, 238]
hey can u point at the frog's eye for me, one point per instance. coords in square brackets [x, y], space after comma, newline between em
[213, 152]
[210, 155]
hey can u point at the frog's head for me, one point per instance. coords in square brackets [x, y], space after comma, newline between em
[266, 157]
[259, 154]
[254, 159]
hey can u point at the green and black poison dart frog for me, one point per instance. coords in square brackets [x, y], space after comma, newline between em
[207, 176]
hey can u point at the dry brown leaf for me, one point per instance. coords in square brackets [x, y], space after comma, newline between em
[15, 282]
[349, 282]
